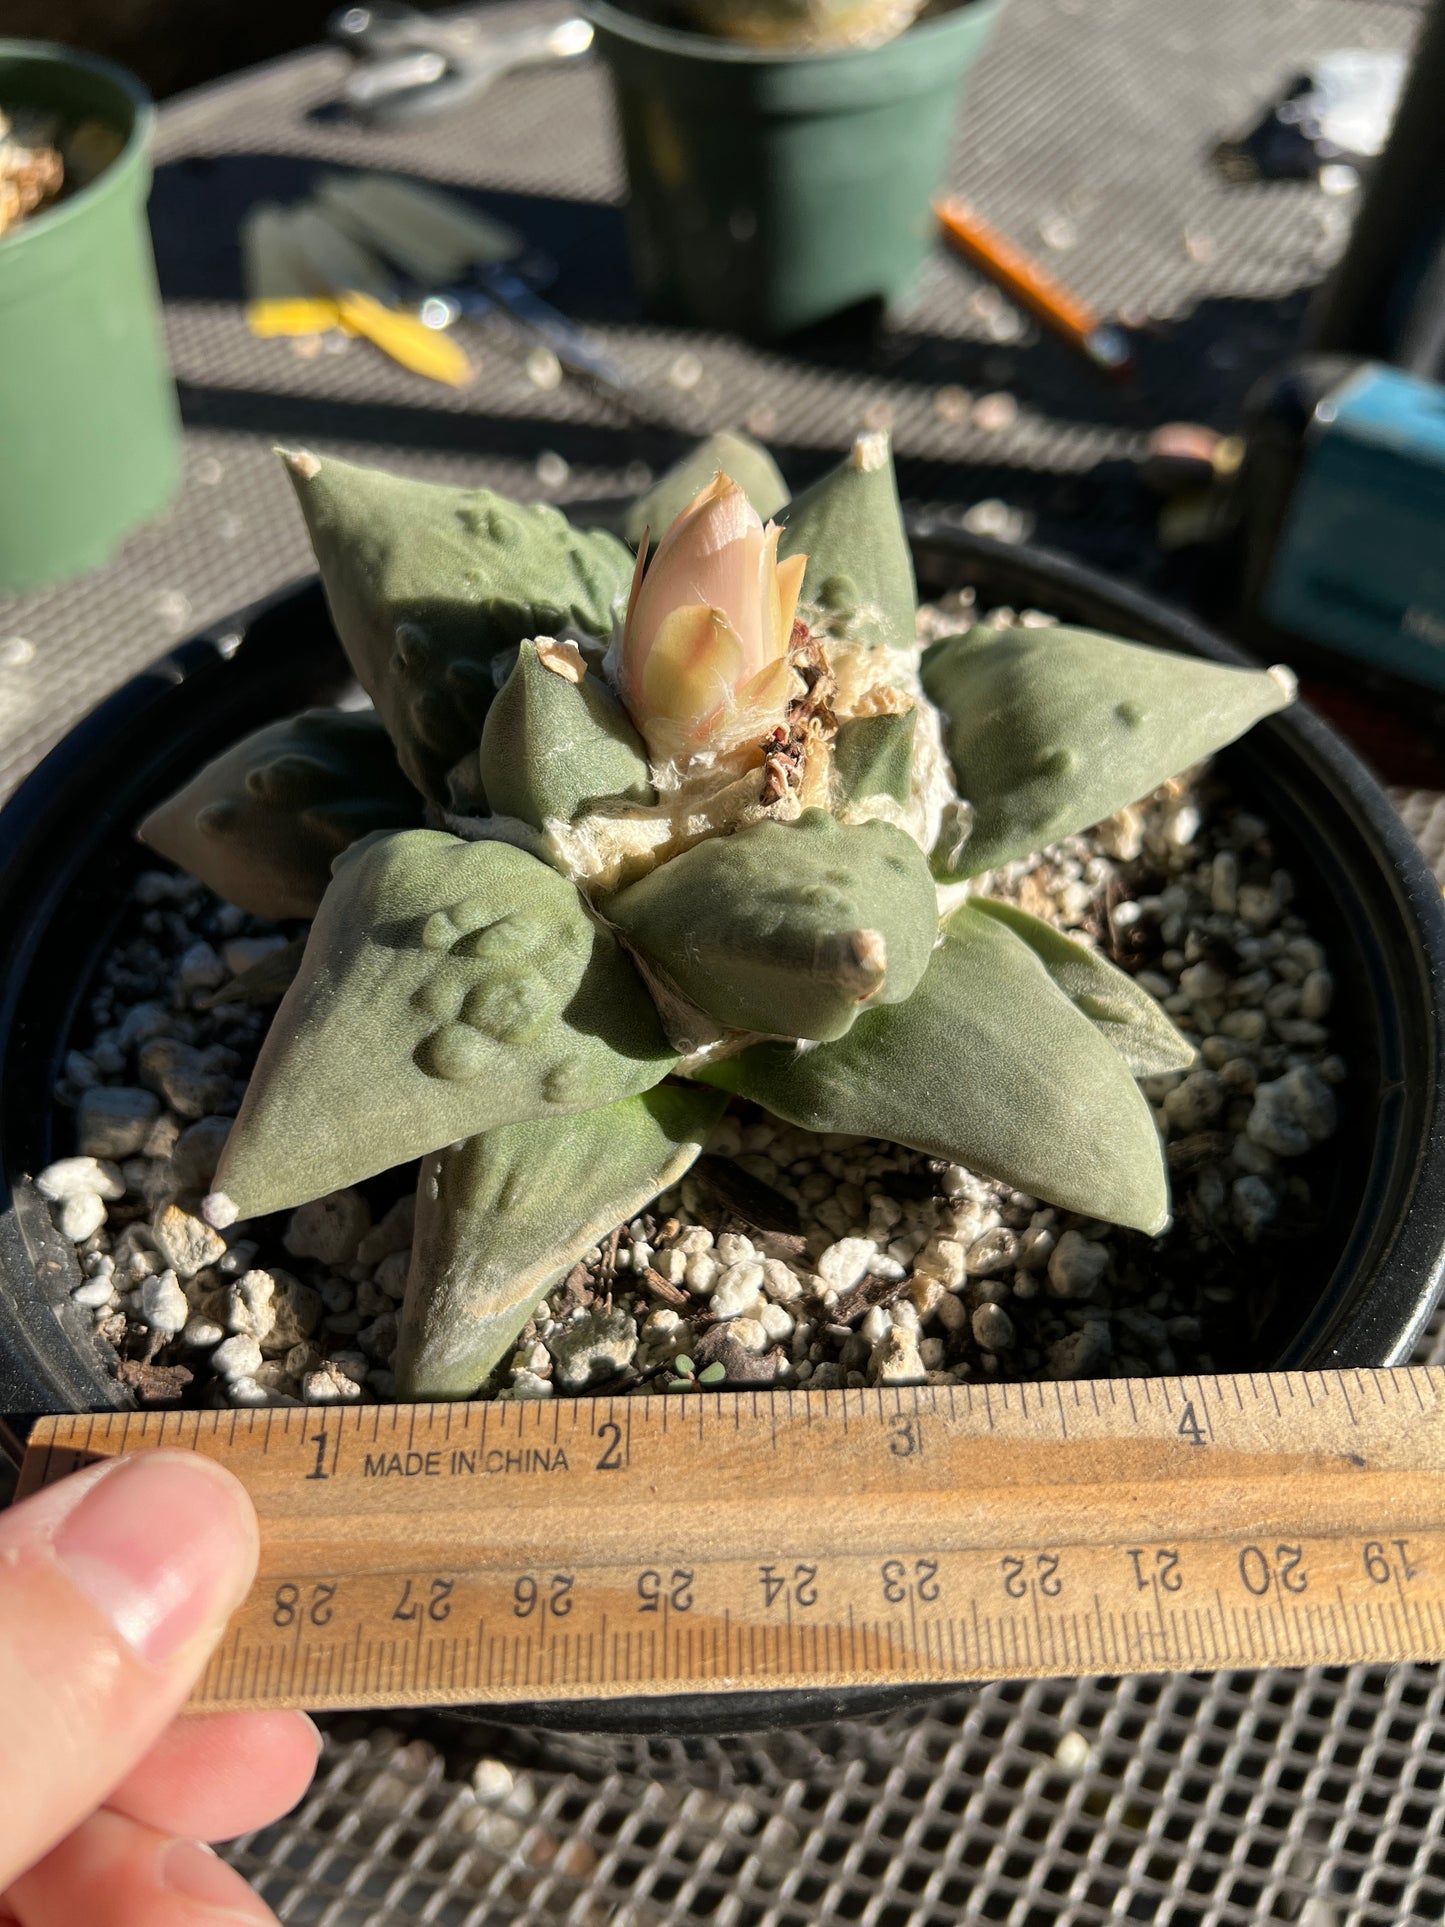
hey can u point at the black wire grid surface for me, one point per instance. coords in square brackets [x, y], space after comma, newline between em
[1085, 135]
[1311, 1796]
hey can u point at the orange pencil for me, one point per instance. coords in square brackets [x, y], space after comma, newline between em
[1022, 277]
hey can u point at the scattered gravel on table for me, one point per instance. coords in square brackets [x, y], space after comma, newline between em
[784, 1257]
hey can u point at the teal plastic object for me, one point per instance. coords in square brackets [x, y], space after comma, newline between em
[89, 430]
[770, 191]
[1361, 559]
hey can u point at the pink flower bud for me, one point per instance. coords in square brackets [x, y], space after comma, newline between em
[705, 650]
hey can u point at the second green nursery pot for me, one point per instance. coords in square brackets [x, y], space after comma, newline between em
[769, 191]
[89, 431]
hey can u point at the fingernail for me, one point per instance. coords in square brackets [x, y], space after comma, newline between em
[191, 1869]
[165, 1545]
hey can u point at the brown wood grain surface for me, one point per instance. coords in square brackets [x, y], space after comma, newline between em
[710, 1542]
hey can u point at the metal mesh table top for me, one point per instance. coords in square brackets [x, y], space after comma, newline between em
[1085, 135]
[1307, 1796]
[1311, 1796]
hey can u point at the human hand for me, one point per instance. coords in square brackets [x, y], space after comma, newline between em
[115, 1585]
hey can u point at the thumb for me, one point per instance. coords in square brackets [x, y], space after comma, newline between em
[115, 1585]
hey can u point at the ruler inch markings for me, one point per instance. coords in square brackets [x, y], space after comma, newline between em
[457, 1554]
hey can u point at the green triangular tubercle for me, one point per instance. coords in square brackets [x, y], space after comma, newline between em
[730, 453]
[1050, 730]
[502, 1217]
[989, 1065]
[873, 756]
[552, 746]
[1129, 1017]
[447, 988]
[427, 582]
[263, 823]
[787, 928]
[859, 581]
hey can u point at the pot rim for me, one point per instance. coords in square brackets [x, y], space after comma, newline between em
[112, 179]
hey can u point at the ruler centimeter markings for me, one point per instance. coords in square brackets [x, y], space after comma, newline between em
[604, 1548]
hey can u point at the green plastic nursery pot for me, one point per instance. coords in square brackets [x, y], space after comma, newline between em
[89, 432]
[772, 190]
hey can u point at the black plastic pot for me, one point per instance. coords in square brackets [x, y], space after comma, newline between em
[1367, 1282]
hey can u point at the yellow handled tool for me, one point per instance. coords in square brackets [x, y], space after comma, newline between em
[303, 277]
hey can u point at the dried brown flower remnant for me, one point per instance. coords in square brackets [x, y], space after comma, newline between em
[782, 765]
[810, 717]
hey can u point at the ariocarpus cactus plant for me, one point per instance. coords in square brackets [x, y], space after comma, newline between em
[616, 841]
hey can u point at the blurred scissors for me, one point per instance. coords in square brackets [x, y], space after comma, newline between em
[409, 66]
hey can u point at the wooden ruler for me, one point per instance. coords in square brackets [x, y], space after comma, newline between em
[596, 1549]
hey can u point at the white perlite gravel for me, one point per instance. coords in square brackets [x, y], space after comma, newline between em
[784, 1257]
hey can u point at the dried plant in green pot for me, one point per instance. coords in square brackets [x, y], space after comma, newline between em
[804, 26]
[622, 838]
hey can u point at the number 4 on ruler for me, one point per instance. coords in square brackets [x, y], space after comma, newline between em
[1189, 1426]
